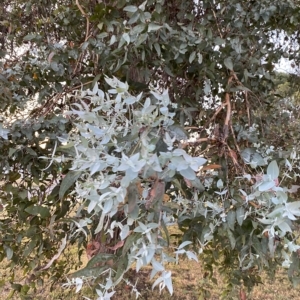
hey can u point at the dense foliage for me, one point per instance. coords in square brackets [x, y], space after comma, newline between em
[122, 118]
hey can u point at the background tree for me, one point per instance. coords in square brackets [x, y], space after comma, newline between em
[88, 159]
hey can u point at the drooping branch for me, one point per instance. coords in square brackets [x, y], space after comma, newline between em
[87, 20]
[215, 114]
[228, 115]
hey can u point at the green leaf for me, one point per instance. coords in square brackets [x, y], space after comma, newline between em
[134, 18]
[133, 199]
[165, 229]
[138, 29]
[99, 258]
[9, 252]
[30, 151]
[178, 131]
[126, 37]
[273, 170]
[102, 35]
[168, 71]
[192, 57]
[89, 272]
[188, 173]
[196, 183]
[68, 181]
[240, 214]
[250, 155]
[242, 88]
[141, 39]
[218, 41]
[16, 286]
[37, 210]
[200, 58]
[54, 66]
[95, 267]
[153, 27]
[294, 266]
[14, 176]
[29, 247]
[228, 63]
[265, 186]
[130, 240]
[4, 132]
[284, 227]
[130, 8]
[231, 219]
[231, 239]
[29, 37]
[207, 87]
[143, 6]
[122, 267]
[157, 48]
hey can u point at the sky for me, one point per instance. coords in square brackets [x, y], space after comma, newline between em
[285, 66]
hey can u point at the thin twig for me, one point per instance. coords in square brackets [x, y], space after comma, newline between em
[248, 108]
[217, 24]
[82, 84]
[215, 114]
[228, 108]
[234, 139]
[228, 115]
[87, 20]
[194, 143]
[191, 127]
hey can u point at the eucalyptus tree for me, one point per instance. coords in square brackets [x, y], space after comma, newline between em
[123, 118]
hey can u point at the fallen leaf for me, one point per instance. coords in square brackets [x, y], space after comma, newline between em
[211, 167]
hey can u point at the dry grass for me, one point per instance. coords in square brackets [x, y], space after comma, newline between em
[188, 283]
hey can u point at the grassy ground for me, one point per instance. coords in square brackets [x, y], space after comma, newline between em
[188, 284]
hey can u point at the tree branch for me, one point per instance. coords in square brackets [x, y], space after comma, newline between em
[87, 20]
